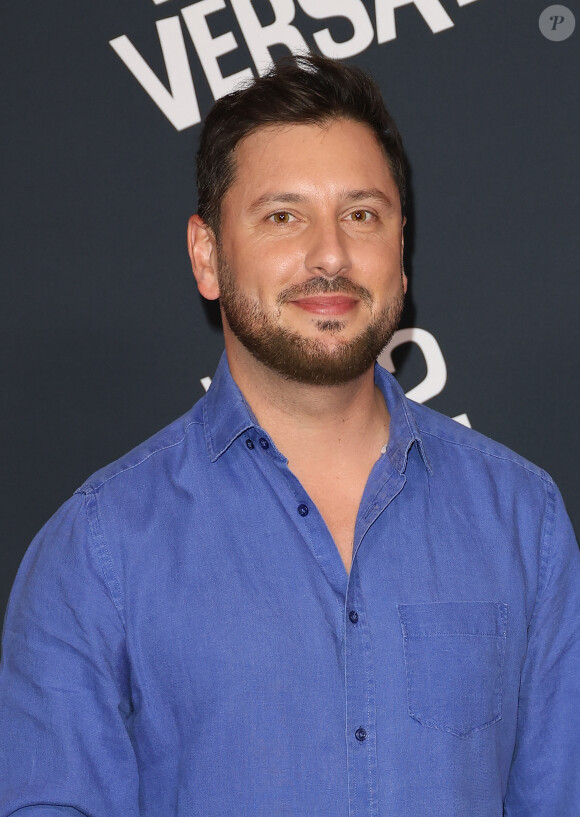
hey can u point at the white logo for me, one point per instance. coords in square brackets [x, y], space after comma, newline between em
[178, 102]
[434, 381]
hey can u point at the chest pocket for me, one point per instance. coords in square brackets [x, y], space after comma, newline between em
[454, 653]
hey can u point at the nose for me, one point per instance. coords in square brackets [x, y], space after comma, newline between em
[327, 251]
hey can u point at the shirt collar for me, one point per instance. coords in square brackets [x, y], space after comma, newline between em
[226, 415]
[403, 430]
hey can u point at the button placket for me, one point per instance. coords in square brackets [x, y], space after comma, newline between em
[360, 704]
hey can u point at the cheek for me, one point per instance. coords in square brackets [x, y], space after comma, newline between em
[264, 269]
[377, 262]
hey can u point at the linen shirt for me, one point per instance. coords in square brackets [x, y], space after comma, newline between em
[183, 638]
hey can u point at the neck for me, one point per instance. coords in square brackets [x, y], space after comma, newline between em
[333, 418]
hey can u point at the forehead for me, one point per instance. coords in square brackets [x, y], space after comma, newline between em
[341, 154]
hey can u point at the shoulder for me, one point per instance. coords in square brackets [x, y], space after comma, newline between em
[504, 498]
[447, 441]
[157, 456]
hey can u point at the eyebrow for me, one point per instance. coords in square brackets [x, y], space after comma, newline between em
[297, 198]
[276, 198]
[372, 193]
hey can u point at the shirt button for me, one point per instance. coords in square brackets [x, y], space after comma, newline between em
[303, 510]
[264, 443]
[249, 444]
[360, 734]
[353, 615]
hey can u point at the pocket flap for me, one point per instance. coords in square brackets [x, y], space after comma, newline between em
[453, 618]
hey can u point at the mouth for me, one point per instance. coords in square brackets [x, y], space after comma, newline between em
[326, 304]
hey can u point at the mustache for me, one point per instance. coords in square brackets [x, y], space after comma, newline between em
[325, 286]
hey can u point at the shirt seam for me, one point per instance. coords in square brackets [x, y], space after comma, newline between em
[546, 548]
[89, 486]
[536, 472]
[455, 632]
[97, 537]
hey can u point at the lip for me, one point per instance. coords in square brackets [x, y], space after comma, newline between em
[326, 304]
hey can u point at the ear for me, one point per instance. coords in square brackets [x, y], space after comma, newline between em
[404, 276]
[202, 247]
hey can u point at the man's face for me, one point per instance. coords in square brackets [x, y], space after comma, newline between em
[310, 254]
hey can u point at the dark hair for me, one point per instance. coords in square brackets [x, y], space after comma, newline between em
[298, 89]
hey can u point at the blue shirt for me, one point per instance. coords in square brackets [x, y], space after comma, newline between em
[183, 638]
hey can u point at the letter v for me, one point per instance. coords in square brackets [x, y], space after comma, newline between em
[179, 104]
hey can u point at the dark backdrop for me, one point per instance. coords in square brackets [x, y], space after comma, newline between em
[104, 337]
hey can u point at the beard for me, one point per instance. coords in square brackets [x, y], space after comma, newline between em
[307, 360]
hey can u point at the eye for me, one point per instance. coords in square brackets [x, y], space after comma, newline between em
[360, 215]
[282, 217]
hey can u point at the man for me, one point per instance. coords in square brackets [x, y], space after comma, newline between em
[308, 596]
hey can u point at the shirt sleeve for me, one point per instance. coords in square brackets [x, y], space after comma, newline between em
[544, 779]
[64, 687]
